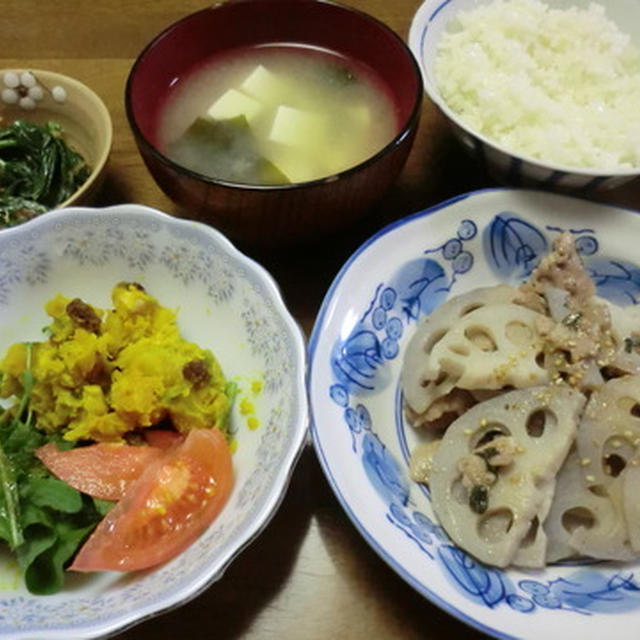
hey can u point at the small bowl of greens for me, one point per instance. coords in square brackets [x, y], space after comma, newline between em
[55, 138]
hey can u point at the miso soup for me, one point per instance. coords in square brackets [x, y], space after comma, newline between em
[277, 114]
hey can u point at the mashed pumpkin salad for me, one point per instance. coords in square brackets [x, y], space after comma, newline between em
[102, 375]
[114, 454]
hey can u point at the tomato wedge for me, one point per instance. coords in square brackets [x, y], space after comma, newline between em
[162, 438]
[101, 470]
[166, 509]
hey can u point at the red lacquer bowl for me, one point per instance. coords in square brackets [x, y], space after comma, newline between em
[274, 215]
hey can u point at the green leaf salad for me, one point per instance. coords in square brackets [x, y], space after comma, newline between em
[42, 519]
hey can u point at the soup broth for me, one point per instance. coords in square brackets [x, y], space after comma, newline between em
[276, 115]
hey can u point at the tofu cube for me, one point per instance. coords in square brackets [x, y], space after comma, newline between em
[295, 167]
[263, 85]
[234, 103]
[295, 127]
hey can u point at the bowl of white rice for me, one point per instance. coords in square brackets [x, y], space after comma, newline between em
[542, 92]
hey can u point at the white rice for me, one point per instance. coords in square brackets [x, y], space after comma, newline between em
[561, 86]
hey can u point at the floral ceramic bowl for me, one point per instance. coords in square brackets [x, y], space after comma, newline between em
[225, 302]
[362, 439]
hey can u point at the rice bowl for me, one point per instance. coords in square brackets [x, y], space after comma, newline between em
[512, 71]
[502, 158]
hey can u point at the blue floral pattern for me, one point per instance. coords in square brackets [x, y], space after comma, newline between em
[511, 247]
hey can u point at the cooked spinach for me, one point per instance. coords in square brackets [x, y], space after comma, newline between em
[38, 170]
[43, 520]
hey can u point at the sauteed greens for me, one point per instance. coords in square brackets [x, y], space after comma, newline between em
[38, 170]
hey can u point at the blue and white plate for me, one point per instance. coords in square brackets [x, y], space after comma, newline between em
[225, 302]
[356, 352]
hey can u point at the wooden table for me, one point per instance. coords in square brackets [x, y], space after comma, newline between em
[309, 574]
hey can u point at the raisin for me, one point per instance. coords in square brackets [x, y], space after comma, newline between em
[98, 374]
[196, 372]
[83, 315]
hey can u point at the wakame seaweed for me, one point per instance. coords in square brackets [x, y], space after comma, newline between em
[228, 149]
[38, 170]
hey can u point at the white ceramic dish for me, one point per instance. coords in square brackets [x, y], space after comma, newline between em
[225, 302]
[429, 22]
[356, 351]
